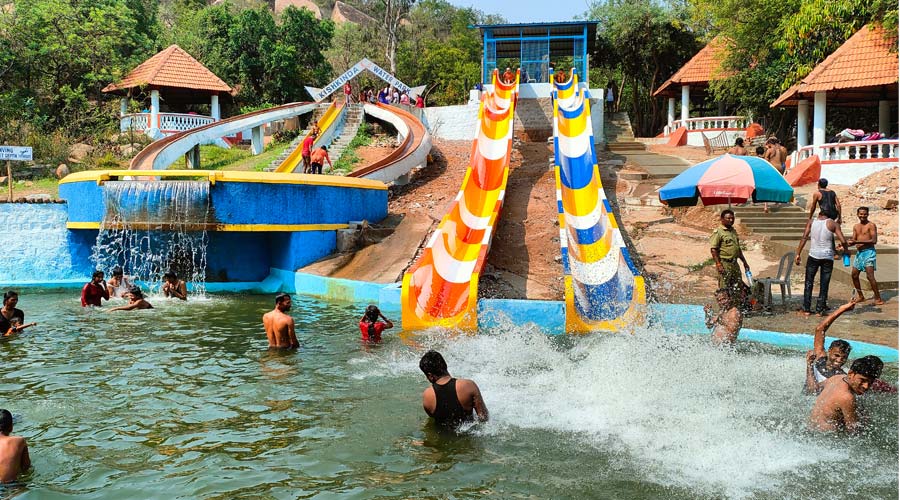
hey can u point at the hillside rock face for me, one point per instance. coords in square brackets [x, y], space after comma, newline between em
[309, 5]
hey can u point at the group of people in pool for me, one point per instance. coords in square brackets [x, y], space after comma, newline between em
[835, 408]
[449, 401]
[98, 289]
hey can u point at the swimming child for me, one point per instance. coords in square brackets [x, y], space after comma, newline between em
[16, 326]
[370, 327]
[135, 301]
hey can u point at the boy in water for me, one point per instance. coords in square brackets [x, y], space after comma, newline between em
[835, 408]
[174, 287]
[449, 401]
[727, 322]
[135, 301]
[279, 324]
[865, 236]
[94, 291]
[370, 327]
[118, 285]
[820, 364]
[14, 459]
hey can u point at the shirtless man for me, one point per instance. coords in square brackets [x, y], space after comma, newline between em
[865, 236]
[449, 401]
[820, 364]
[835, 408]
[14, 459]
[280, 325]
[738, 148]
[135, 298]
[174, 287]
[727, 322]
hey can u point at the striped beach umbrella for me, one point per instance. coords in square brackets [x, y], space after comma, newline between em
[727, 179]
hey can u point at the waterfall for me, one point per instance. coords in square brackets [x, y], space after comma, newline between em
[152, 227]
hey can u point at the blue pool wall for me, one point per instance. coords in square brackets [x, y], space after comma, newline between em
[255, 203]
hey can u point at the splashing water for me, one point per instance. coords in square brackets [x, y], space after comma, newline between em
[674, 409]
[152, 227]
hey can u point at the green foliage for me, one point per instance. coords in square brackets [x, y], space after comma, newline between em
[349, 158]
[643, 43]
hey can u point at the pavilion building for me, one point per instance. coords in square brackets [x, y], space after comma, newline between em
[174, 81]
[690, 84]
[861, 73]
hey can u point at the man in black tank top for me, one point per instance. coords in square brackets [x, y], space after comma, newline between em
[449, 401]
[827, 201]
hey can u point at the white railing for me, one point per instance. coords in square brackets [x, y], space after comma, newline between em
[709, 122]
[168, 123]
[857, 150]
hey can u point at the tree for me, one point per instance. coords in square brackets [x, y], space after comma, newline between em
[390, 14]
[645, 42]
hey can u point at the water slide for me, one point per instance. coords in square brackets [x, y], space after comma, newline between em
[604, 291]
[295, 159]
[441, 288]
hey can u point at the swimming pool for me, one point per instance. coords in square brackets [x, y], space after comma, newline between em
[185, 401]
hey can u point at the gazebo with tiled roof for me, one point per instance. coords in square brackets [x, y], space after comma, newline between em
[696, 74]
[860, 73]
[179, 79]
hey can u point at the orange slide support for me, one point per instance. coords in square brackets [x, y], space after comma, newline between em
[441, 288]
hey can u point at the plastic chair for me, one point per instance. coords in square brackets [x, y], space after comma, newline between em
[782, 280]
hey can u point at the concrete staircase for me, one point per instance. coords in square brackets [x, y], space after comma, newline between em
[619, 136]
[320, 110]
[352, 120]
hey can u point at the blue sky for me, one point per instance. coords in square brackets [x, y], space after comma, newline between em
[528, 11]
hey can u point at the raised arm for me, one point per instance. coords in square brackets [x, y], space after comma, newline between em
[819, 337]
[387, 322]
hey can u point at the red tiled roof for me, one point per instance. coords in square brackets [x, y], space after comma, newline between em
[704, 67]
[858, 69]
[173, 67]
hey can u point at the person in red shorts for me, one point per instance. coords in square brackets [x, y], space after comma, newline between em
[370, 327]
[307, 150]
[94, 291]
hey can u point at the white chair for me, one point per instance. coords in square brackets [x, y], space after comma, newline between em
[782, 279]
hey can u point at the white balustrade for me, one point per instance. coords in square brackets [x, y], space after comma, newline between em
[169, 123]
[709, 122]
[856, 150]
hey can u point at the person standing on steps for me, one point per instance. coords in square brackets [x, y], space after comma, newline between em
[317, 160]
[307, 149]
[725, 247]
[827, 201]
[449, 401]
[820, 233]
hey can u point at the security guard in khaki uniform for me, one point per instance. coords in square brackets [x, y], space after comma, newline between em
[725, 248]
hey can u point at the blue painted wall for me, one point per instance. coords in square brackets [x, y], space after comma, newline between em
[256, 203]
[38, 248]
[237, 256]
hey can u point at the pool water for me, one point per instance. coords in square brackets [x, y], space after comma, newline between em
[185, 401]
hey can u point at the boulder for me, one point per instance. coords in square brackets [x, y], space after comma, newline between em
[62, 170]
[129, 150]
[78, 152]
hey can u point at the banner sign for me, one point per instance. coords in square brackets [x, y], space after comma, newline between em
[364, 65]
[15, 153]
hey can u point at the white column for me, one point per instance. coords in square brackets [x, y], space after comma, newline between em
[256, 140]
[802, 123]
[214, 107]
[154, 109]
[884, 117]
[671, 117]
[685, 103]
[123, 106]
[819, 119]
